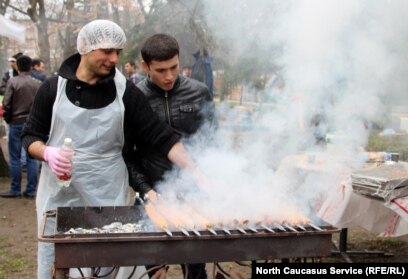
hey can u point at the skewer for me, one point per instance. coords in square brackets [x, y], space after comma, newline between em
[241, 230]
[184, 231]
[167, 231]
[252, 229]
[315, 227]
[196, 232]
[301, 227]
[212, 231]
[267, 228]
[279, 226]
[290, 228]
[223, 228]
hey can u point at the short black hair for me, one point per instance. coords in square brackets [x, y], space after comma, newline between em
[17, 55]
[159, 47]
[131, 63]
[24, 63]
[37, 62]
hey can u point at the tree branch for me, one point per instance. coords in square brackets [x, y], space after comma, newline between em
[18, 10]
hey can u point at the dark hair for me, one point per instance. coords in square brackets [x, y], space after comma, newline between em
[24, 63]
[159, 47]
[131, 63]
[17, 55]
[37, 62]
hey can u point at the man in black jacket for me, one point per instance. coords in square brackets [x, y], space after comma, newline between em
[183, 103]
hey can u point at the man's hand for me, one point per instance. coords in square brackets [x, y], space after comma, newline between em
[235, 274]
[152, 195]
[160, 274]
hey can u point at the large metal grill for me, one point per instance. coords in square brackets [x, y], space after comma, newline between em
[147, 248]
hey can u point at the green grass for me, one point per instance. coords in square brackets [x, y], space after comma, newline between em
[385, 244]
[9, 262]
[396, 143]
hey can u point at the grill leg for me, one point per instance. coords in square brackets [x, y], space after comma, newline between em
[343, 240]
[345, 254]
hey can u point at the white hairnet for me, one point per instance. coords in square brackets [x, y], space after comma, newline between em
[100, 34]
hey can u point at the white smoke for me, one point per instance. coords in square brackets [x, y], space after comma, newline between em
[341, 59]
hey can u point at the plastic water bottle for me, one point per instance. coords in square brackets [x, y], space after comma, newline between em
[66, 151]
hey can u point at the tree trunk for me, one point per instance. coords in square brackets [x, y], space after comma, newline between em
[43, 43]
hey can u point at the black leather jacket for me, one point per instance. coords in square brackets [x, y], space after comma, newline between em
[186, 108]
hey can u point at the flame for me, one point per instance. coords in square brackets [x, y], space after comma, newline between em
[155, 216]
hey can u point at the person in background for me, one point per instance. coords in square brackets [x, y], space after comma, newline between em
[186, 71]
[131, 70]
[17, 102]
[91, 102]
[38, 69]
[185, 104]
[12, 72]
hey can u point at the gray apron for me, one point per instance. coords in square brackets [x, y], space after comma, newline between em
[99, 176]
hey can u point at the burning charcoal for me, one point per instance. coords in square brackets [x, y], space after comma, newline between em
[71, 231]
[115, 227]
[112, 226]
[132, 228]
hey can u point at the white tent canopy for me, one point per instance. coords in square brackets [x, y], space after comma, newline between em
[12, 30]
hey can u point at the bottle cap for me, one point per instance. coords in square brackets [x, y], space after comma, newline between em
[67, 141]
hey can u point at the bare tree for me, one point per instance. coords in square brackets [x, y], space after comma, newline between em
[36, 12]
[3, 49]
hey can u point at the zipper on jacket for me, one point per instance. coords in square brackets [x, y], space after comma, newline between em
[166, 99]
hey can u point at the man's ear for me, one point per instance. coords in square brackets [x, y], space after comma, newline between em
[144, 66]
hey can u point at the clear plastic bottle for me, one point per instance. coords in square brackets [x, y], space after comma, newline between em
[66, 151]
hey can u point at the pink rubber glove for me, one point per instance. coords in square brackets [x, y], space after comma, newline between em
[60, 163]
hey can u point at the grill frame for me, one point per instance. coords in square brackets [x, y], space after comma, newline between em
[148, 248]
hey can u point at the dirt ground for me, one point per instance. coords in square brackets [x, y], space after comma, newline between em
[18, 242]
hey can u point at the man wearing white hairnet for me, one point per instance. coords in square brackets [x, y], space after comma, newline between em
[92, 103]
